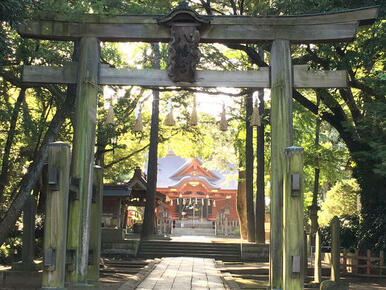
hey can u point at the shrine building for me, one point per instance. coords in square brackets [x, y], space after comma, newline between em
[194, 193]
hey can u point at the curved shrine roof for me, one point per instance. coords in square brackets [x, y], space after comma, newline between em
[174, 170]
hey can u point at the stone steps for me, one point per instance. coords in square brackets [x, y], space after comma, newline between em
[193, 232]
[195, 224]
[218, 251]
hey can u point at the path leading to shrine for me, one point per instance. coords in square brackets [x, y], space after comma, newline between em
[183, 273]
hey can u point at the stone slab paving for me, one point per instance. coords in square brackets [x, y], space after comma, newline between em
[183, 273]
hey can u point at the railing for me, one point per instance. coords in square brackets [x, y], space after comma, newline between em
[226, 227]
[164, 226]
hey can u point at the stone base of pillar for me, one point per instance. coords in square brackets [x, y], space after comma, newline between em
[15, 279]
[21, 266]
[79, 286]
[334, 285]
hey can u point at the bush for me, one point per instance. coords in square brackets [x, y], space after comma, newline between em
[11, 249]
[349, 229]
[341, 200]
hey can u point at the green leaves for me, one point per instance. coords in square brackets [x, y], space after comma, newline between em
[341, 199]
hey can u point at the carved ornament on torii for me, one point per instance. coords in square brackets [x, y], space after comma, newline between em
[185, 25]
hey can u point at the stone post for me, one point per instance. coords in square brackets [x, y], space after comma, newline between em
[293, 220]
[305, 257]
[335, 249]
[82, 163]
[95, 226]
[55, 227]
[318, 261]
[335, 283]
[309, 250]
[281, 131]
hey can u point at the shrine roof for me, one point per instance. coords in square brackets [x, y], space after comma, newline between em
[116, 190]
[170, 166]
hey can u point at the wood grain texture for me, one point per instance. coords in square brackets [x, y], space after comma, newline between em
[95, 226]
[293, 221]
[299, 29]
[207, 79]
[82, 163]
[221, 33]
[281, 136]
[359, 14]
[55, 228]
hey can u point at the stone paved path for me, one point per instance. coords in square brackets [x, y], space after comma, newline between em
[183, 273]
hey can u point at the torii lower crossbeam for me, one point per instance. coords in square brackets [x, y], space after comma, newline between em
[207, 79]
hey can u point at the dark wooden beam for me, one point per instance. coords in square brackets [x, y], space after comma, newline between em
[340, 26]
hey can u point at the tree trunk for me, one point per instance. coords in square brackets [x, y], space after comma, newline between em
[148, 228]
[242, 205]
[249, 169]
[314, 207]
[4, 175]
[35, 169]
[260, 194]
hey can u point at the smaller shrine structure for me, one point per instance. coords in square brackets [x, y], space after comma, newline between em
[123, 204]
[194, 193]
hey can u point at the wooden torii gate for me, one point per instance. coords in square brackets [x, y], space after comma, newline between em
[286, 249]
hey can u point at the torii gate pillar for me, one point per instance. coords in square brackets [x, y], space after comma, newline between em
[82, 163]
[282, 137]
[281, 123]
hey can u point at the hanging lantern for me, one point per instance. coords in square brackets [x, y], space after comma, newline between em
[196, 201]
[183, 201]
[255, 118]
[193, 117]
[223, 121]
[177, 201]
[171, 202]
[214, 203]
[138, 127]
[169, 121]
[110, 114]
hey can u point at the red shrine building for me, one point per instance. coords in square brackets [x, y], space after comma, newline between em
[195, 193]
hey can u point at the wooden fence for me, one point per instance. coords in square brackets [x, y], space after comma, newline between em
[369, 266]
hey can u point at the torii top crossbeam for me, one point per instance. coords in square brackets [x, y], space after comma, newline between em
[328, 27]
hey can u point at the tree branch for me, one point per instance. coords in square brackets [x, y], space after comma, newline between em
[252, 54]
[324, 63]
[127, 156]
[234, 7]
[4, 175]
[348, 97]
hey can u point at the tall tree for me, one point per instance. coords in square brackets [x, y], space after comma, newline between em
[35, 169]
[260, 193]
[249, 167]
[5, 171]
[241, 205]
[313, 209]
[148, 221]
[358, 112]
